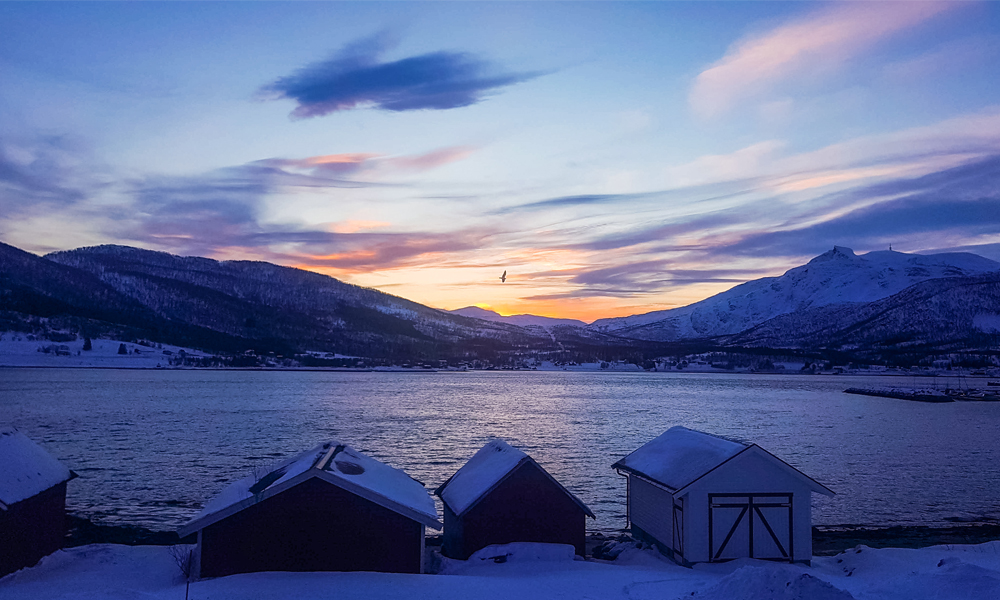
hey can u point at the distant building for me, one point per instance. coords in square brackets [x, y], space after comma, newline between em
[702, 498]
[32, 501]
[328, 509]
[502, 495]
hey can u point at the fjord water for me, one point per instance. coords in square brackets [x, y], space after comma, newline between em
[151, 447]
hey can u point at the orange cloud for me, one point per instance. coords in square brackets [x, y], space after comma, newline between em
[353, 158]
[354, 226]
[431, 160]
[822, 40]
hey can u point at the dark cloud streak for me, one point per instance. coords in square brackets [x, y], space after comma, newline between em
[965, 198]
[356, 77]
[47, 174]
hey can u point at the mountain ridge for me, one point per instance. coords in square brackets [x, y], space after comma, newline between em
[523, 320]
[837, 276]
[874, 305]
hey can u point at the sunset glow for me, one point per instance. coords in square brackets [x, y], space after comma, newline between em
[613, 158]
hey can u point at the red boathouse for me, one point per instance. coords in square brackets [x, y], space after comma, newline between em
[32, 501]
[501, 496]
[328, 509]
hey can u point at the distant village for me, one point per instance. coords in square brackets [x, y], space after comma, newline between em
[143, 353]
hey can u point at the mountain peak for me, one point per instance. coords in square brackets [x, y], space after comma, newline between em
[838, 253]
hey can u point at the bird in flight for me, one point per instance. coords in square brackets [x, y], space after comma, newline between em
[503, 278]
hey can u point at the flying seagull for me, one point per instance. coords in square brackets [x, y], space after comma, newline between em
[503, 278]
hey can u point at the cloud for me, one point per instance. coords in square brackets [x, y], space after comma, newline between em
[634, 279]
[364, 252]
[341, 164]
[358, 77]
[822, 41]
[946, 59]
[220, 214]
[41, 174]
[433, 159]
[701, 193]
[358, 162]
[567, 202]
[920, 213]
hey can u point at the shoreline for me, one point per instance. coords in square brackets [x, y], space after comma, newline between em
[827, 540]
[939, 376]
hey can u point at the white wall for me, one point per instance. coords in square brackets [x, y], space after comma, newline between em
[752, 472]
[651, 509]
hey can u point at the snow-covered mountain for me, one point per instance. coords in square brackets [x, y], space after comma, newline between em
[877, 303]
[947, 313]
[283, 307]
[520, 320]
[836, 277]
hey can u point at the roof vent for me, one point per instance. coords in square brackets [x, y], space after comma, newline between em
[349, 468]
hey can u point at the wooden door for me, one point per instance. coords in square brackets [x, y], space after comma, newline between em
[750, 525]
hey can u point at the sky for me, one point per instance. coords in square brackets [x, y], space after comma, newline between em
[613, 158]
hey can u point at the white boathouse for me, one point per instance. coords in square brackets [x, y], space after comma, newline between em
[702, 498]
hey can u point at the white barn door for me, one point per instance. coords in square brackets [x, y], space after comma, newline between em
[750, 525]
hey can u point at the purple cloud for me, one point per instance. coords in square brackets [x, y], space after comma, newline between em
[45, 172]
[964, 198]
[356, 77]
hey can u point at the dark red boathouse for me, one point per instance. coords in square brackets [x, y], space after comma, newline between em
[501, 496]
[32, 501]
[328, 509]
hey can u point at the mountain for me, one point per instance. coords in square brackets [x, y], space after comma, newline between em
[837, 277]
[937, 315]
[877, 305]
[36, 286]
[519, 320]
[297, 310]
[33, 288]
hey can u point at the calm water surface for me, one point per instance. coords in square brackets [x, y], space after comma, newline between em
[152, 446]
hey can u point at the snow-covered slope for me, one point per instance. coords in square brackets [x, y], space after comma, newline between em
[261, 301]
[835, 277]
[944, 313]
[520, 320]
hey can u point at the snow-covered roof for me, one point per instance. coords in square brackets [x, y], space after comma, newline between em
[484, 471]
[335, 463]
[679, 456]
[25, 468]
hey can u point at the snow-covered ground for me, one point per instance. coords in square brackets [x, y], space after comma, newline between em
[113, 572]
[16, 350]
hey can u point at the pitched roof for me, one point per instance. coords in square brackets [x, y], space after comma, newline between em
[334, 463]
[25, 468]
[487, 468]
[680, 456]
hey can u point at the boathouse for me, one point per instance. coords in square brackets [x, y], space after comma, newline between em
[501, 496]
[32, 501]
[328, 509]
[702, 498]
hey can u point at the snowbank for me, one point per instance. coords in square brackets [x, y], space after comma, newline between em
[114, 572]
[16, 350]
